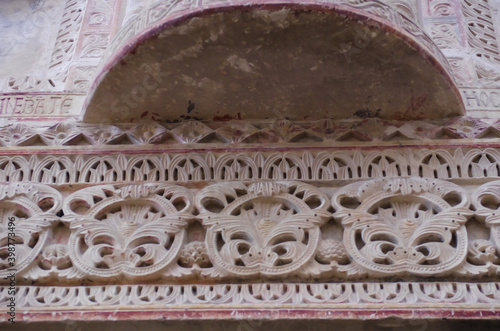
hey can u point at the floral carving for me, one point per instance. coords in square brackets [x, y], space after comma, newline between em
[265, 228]
[147, 133]
[131, 231]
[32, 208]
[486, 201]
[395, 226]
[64, 133]
[17, 135]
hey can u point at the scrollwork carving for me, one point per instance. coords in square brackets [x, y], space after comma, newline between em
[130, 231]
[406, 225]
[486, 251]
[265, 228]
[32, 208]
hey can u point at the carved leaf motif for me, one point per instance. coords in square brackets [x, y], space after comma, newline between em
[404, 225]
[268, 228]
[17, 135]
[192, 131]
[103, 134]
[237, 131]
[13, 169]
[103, 172]
[31, 208]
[484, 168]
[62, 134]
[148, 133]
[133, 230]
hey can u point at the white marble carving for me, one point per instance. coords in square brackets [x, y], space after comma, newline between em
[132, 231]
[268, 295]
[269, 229]
[399, 226]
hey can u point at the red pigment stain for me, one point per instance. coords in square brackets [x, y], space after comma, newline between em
[144, 114]
[224, 118]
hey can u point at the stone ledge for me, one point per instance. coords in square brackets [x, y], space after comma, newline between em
[336, 296]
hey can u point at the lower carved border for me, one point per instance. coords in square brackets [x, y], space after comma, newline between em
[321, 295]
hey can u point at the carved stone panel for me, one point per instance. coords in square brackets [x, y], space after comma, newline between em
[131, 231]
[265, 228]
[400, 226]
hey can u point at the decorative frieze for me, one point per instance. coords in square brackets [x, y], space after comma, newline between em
[247, 166]
[482, 40]
[404, 226]
[408, 227]
[366, 128]
[317, 215]
[67, 39]
[266, 295]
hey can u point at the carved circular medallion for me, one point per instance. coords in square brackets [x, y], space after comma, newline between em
[134, 230]
[410, 225]
[265, 228]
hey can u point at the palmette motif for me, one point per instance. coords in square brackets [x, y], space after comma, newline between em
[131, 231]
[265, 228]
[380, 228]
[406, 225]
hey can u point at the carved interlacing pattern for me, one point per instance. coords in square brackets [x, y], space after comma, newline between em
[131, 231]
[485, 251]
[481, 29]
[34, 208]
[441, 8]
[266, 228]
[67, 38]
[482, 39]
[398, 226]
[379, 228]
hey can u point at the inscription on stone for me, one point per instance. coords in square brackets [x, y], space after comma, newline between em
[45, 105]
[481, 99]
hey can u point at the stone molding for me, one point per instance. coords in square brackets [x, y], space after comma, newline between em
[438, 295]
[322, 216]
[175, 167]
[368, 129]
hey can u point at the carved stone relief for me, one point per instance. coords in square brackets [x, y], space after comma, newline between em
[365, 128]
[399, 226]
[192, 214]
[482, 39]
[381, 228]
[213, 166]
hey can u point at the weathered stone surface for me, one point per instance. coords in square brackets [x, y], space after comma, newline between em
[344, 216]
[280, 63]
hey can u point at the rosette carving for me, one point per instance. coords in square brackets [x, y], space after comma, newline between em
[410, 225]
[265, 228]
[132, 231]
